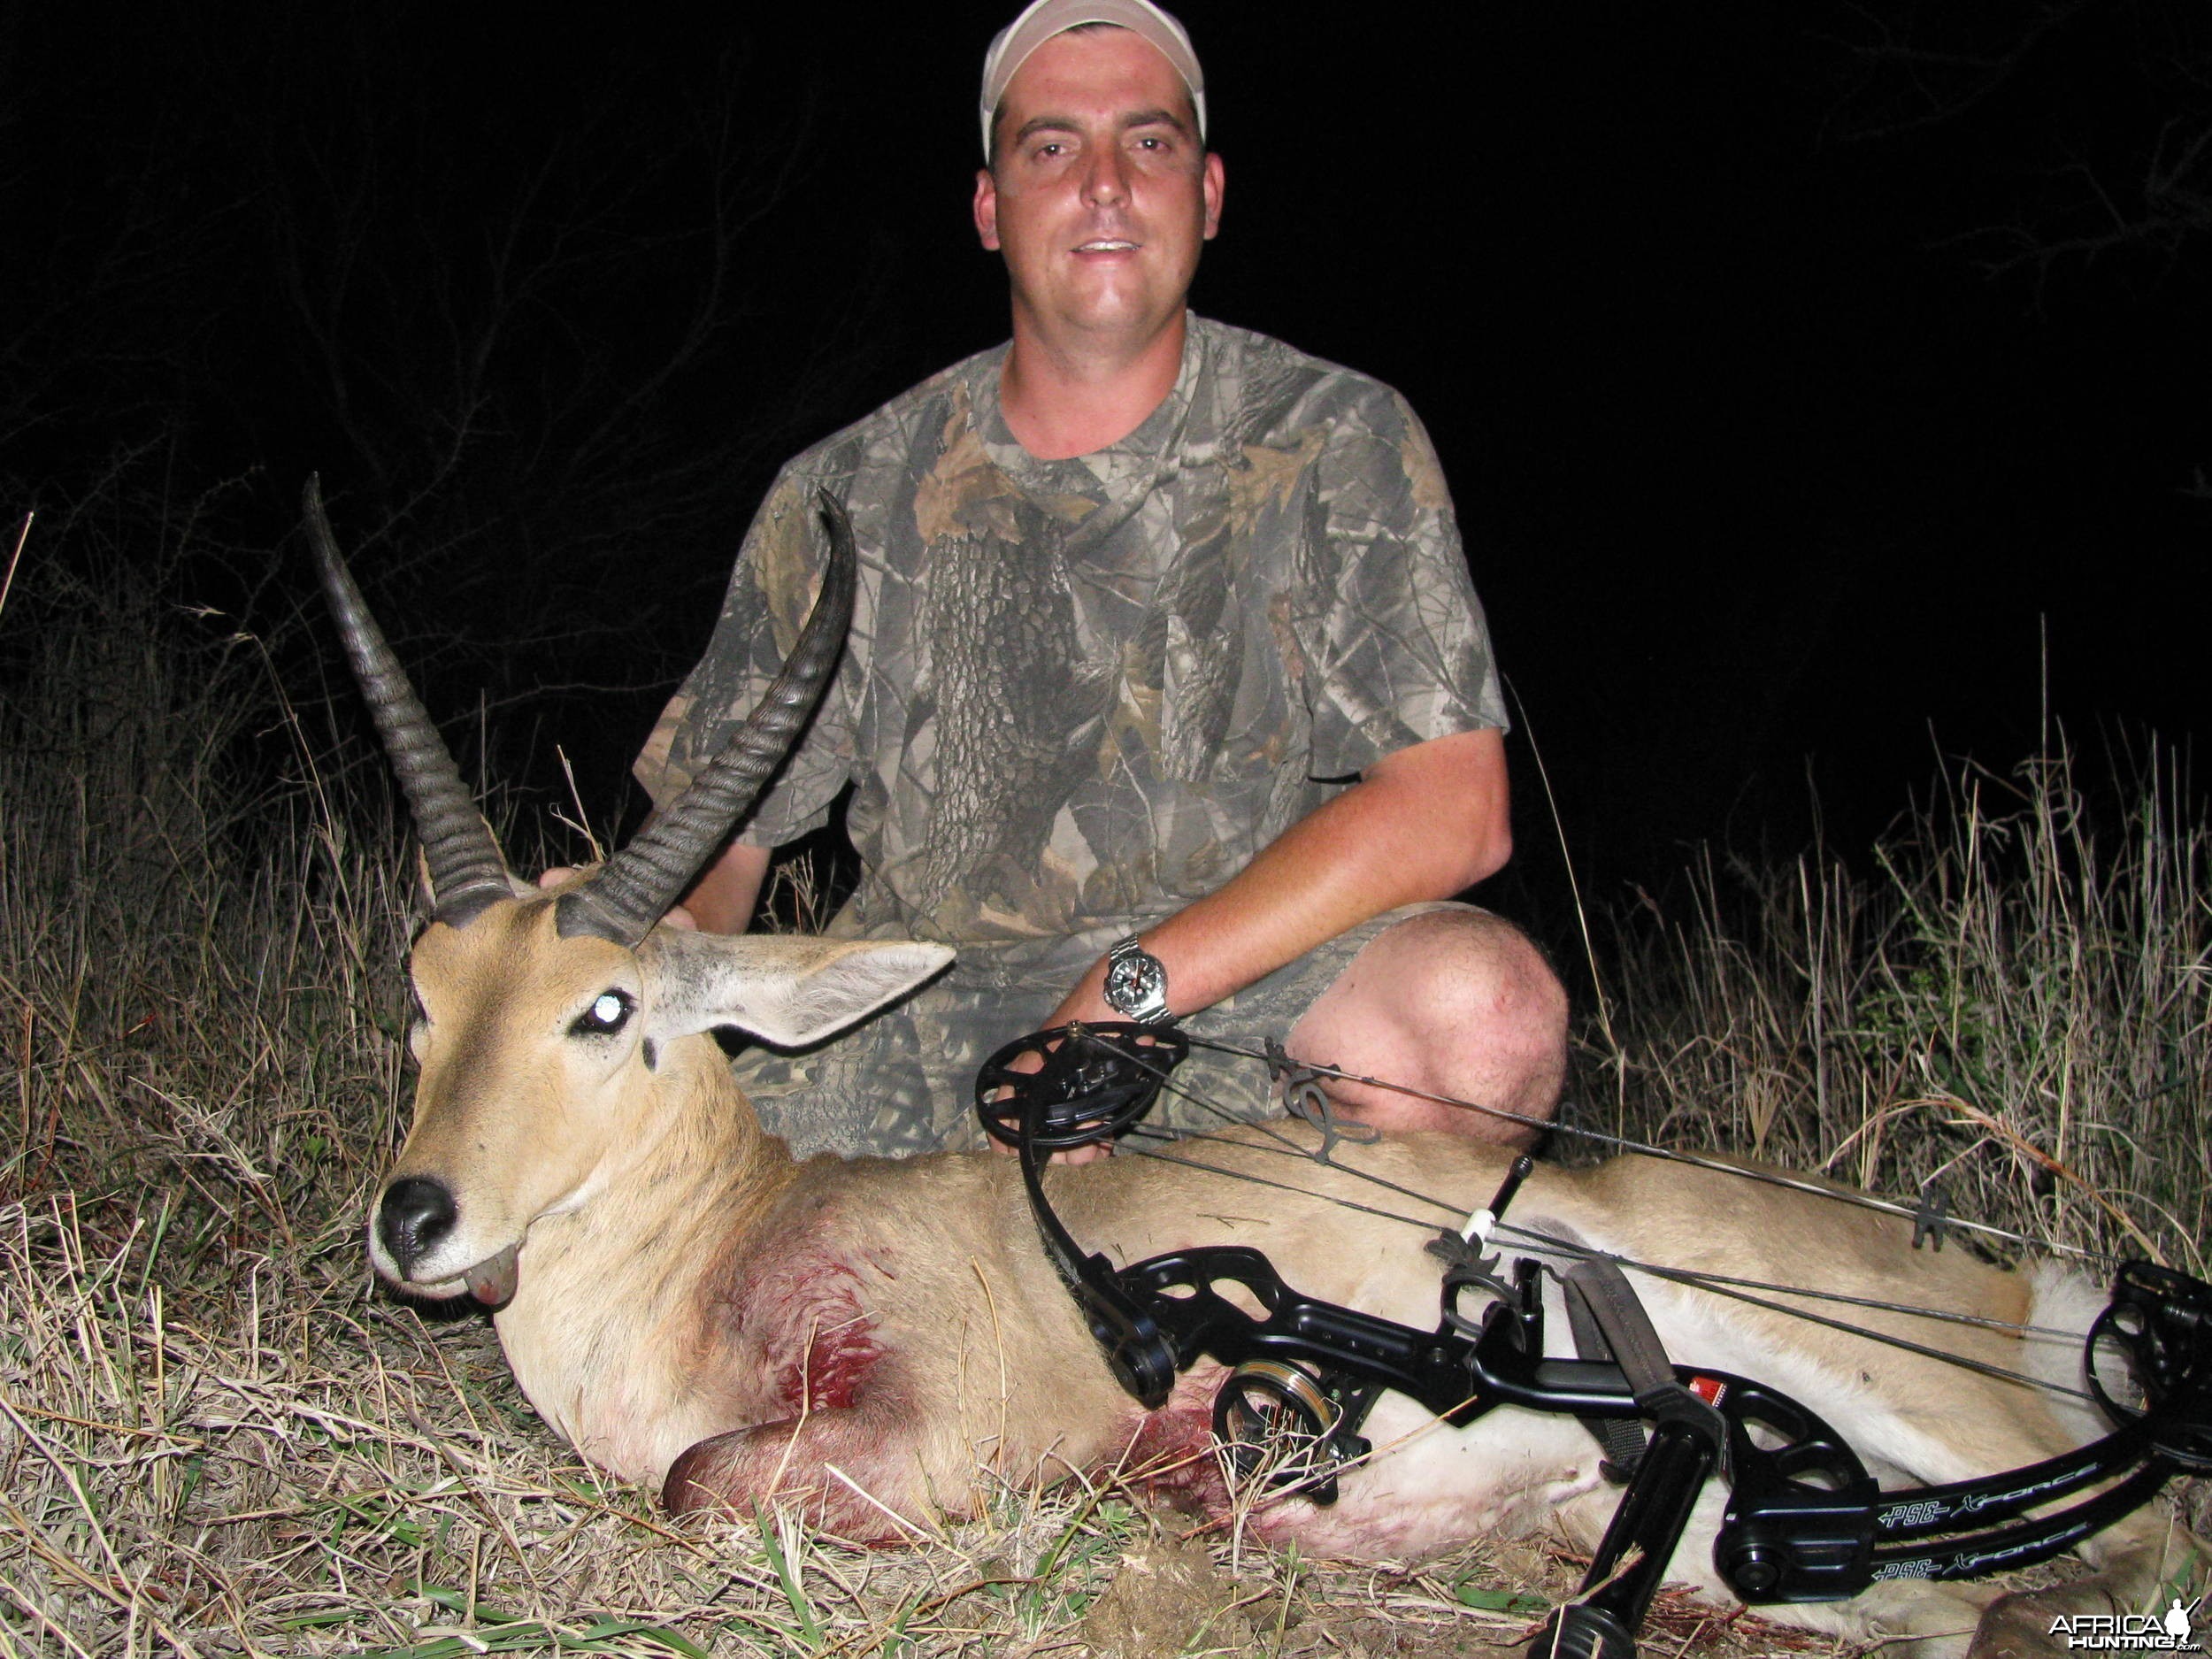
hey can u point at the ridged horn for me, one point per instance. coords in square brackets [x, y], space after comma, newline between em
[635, 887]
[466, 870]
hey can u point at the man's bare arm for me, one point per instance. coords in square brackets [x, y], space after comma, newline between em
[721, 901]
[1423, 823]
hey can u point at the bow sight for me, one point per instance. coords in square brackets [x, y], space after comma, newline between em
[1805, 1521]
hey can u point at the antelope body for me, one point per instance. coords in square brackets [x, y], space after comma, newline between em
[877, 1339]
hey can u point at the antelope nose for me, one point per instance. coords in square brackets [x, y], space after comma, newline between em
[415, 1215]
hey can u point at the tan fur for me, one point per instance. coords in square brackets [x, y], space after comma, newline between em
[694, 1307]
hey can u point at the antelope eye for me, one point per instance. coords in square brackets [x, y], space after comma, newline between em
[609, 1012]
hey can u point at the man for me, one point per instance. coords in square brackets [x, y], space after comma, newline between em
[1167, 695]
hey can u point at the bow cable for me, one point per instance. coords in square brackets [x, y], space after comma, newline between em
[1541, 1244]
[1715, 1284]
[1696, 1275]
[1621, 1143]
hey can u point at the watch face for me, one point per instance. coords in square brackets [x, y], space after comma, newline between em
[1133, 981]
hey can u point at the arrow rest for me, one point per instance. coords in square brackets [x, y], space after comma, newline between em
[1280, 1421]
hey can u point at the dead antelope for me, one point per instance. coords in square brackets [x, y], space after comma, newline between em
[875, 1339]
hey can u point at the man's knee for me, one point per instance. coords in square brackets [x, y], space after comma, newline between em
[1471, 975]
[1456, 1003]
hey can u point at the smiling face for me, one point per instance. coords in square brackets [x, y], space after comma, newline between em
[1101, 193]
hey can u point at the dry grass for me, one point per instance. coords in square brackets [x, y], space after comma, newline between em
[2017, 1006]
[217, 1437]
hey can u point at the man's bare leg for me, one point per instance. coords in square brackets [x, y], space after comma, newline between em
[1456, 1003]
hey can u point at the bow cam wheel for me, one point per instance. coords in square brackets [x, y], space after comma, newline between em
[1083, 1082]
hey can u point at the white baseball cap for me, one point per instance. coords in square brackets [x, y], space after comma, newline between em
[1045, 19]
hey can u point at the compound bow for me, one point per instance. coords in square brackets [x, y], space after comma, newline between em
[1804, 1522]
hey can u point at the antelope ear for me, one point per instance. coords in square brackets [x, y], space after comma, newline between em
[785, 988]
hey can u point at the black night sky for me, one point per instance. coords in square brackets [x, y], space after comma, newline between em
[1808, 406]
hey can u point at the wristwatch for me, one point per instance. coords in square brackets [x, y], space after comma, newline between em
[1136, 984]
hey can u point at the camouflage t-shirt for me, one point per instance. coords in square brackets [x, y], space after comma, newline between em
[1079, 694]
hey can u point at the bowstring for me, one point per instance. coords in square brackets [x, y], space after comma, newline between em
[1714, 1284]
[1542, 1244]
[1701, 1276]
[1722, 1285]
[1621, 1143]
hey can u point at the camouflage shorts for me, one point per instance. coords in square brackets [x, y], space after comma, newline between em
[905, 1082]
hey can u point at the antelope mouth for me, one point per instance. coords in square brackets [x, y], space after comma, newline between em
[492, 1281]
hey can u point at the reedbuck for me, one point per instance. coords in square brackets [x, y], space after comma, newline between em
[881, 1342]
